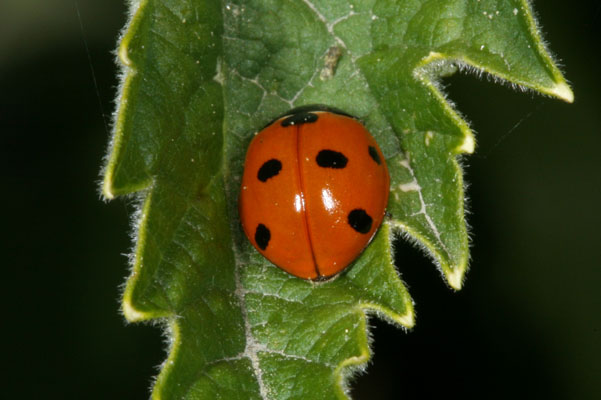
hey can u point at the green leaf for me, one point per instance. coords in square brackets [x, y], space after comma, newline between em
[200, 78]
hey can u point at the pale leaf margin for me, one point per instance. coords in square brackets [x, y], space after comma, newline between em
[453, 274]
[426, 72]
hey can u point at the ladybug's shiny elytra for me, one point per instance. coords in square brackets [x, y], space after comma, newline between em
[314, 191]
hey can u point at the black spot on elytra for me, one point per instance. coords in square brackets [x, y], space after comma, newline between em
[299, 118]
[374, 154]
[262, 236]
[359, 220]
[269, 169]
[331, 159]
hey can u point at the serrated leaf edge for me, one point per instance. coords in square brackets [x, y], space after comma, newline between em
[561, 90]
[451, 273]
[345, 368]
[128, 73]
[131, 313]
[454, 274]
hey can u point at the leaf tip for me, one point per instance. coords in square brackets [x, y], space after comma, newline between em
[468, 144]
[455, 277]
[563, 91]
[407, 320]
[107, 188]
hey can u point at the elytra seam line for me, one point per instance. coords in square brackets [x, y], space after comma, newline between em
[303, 199]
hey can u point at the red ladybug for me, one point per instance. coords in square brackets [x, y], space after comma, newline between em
[314, 191]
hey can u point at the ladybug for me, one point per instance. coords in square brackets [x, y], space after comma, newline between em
[314, 191]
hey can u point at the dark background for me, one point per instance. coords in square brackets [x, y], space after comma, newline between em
[527, 323]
